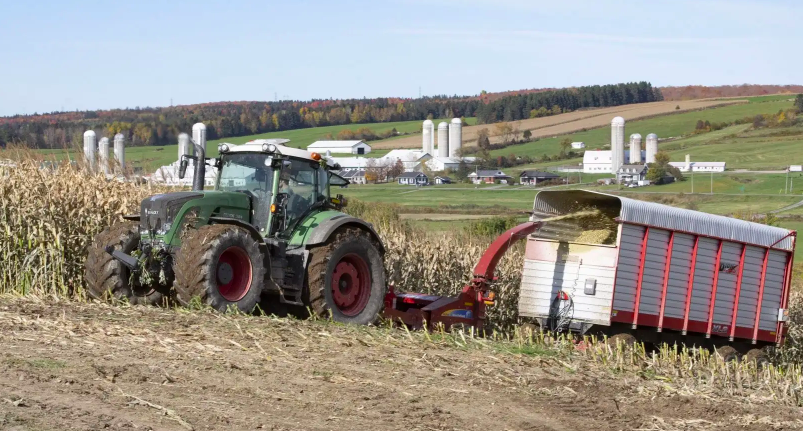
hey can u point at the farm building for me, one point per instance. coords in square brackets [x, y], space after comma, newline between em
[443, 163]
[339, 147]
[600, 162]
[355, 176]
[347, 163]
[489, 177]
[631, 173]
[411, 159]
[535, 177]
[443, 180]
[413, 179]
[578, 145]
[699, 166]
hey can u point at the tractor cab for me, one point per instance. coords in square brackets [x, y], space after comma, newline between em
[284, 184]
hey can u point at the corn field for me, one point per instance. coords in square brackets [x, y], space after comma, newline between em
[49, 217]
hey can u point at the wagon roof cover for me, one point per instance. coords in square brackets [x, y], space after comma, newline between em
[665, 216]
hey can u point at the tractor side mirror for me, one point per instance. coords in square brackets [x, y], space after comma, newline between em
[182, 168]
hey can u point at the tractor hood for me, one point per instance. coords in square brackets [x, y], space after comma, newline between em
[160, 214]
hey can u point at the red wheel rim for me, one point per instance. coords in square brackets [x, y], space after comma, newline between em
[351, 284]
[233, 273]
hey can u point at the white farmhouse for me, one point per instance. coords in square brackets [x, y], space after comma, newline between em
[339, 147]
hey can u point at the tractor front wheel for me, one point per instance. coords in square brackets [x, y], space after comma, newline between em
[106, 276]
[346, 278]
[223, 266]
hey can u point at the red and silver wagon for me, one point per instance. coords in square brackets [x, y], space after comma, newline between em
[670, 275]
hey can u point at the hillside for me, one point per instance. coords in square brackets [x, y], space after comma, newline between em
[70, 365]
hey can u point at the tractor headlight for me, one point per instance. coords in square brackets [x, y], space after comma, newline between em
[223, 148]
[271, 148]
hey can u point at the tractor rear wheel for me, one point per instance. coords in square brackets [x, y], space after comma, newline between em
[223, 266]
[346, 277]
[624, 338]
[105, 275]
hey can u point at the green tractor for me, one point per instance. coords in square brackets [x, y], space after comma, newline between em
[269, 231]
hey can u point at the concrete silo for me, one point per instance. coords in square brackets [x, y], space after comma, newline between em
[119, 151]
[652, 147]
[89, 149]
[635, 148]
[427, 138]
[443, 139]
[455, 137]
[184, 146]
[103, 155]
[617, 143]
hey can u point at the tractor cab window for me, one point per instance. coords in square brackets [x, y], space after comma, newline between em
[300, 180]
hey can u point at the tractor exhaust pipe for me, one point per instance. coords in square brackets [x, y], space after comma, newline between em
[199, 142]
[200, 167]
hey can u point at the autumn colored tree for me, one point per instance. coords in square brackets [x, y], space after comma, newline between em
[483, 139]
[527, 135]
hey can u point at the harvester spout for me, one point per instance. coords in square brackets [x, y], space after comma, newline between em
[200, 167]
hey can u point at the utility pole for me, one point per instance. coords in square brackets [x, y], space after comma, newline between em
[786, 182]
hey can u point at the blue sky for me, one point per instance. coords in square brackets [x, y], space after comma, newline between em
[81, 54]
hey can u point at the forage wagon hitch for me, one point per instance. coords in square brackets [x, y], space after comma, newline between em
[467, 308]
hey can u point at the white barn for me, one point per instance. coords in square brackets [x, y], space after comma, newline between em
[699, 166]
[339, 147]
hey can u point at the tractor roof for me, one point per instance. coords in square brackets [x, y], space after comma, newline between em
[255, 146]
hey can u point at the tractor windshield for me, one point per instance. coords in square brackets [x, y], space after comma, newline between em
[249, 173]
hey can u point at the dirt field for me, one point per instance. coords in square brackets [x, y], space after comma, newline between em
[569, 122]
[79, 366]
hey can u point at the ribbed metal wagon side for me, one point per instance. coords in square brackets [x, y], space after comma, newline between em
[670, 270]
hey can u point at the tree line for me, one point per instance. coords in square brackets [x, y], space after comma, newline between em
[546, 103]
[161, 126]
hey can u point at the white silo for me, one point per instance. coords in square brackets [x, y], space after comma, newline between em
[89, 149]
[617, 143]
[184, 146]
[455, 137]
[198, 135]
[635, 148]
[443, 139]
[652, 147]
[426, 136]
[119, 151]
[688, 162]
[103, 155]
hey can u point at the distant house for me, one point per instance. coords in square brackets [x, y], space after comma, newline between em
[413, 179]
[578, 145]
[443, 180]
[355, 176]
[489, 177]
[535, 177]
[339, 147]
[631, 173]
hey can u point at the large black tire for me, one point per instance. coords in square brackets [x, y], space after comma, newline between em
[728, 353]
[757, 356]
[346, 277]
[624, 338]
[106, 277]
[223, 266]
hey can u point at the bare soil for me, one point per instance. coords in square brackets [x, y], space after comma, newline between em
[66, 365]
[569, 122]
